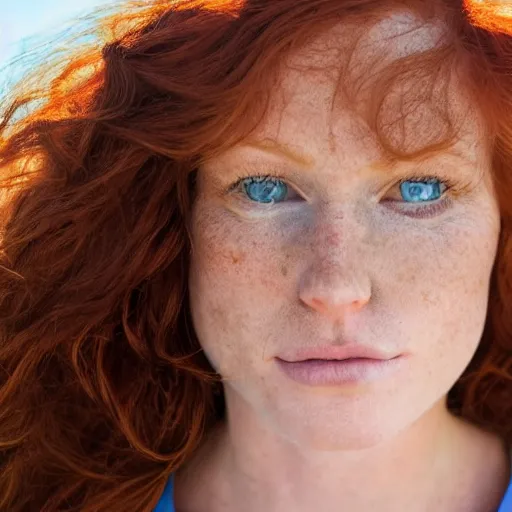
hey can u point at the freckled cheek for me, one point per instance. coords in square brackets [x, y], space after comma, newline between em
[244, 257]
[468, 257]
[440, 276]
[460, 275]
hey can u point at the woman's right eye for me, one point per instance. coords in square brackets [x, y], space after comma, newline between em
[264, 189]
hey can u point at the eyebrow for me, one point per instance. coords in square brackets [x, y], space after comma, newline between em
[280, 149]
[306, 161]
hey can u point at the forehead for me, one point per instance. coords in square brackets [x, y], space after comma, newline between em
[310, 106]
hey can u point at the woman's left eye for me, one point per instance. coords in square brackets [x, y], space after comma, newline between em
[270, 189]
[422, 189]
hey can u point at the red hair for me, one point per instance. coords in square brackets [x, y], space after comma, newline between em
[104, 389]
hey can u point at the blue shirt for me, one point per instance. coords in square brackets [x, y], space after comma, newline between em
[166, 503]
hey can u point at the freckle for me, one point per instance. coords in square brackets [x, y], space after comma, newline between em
[332, 143]
[236, 258]
[284, 270]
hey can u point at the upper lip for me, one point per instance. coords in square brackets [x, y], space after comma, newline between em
[339, 352]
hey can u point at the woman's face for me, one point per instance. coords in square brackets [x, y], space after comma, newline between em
[344, 254]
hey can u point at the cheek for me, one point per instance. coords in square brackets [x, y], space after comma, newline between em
[448, 301]
[239, 274]
[235, 257]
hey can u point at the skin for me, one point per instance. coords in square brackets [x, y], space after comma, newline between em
[338, 262]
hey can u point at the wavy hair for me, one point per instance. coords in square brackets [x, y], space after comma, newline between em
[104, 390]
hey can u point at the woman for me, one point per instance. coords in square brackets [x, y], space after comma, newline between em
[256, 256]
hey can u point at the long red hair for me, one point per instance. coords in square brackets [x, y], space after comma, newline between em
[104, 391]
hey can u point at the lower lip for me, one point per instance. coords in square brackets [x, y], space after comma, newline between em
[318, 372]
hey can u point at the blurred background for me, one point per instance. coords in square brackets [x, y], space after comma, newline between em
[23, 19]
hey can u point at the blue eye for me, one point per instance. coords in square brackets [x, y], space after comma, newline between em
[269, 189]
[265, 189]
[421, 189]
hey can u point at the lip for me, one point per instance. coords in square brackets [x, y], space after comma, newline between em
[353, 371]
[339, 352]
[338, 365]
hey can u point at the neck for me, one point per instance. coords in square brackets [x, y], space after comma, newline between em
[247, 466]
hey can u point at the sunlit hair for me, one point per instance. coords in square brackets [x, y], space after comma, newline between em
[104, 389]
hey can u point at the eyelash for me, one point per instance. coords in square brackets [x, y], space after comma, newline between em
[424, 211]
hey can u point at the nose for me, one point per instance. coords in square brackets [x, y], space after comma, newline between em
[336, 281]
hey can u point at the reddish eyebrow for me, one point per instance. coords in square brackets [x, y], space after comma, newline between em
[278, 149]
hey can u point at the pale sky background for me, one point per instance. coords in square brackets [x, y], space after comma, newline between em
[23, 18]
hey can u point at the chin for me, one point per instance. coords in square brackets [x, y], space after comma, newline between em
[335, 432]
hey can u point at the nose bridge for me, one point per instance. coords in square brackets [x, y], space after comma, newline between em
[336, 277]
[336, 236]
[332, 241]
